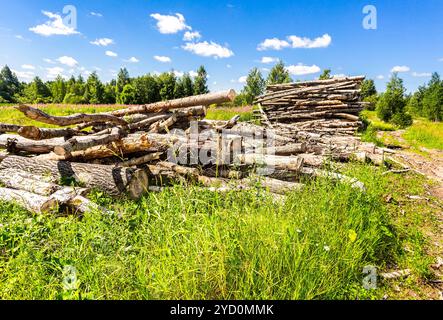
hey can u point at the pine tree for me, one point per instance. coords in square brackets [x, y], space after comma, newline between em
[37, 92]
[122, 80]
[368, 88]
[188, 85]
[433, 99]
[95, 89]
[166, 83]
[278, 74]
[200, 81]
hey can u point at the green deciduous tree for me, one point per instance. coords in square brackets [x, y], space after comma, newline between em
[393, 100]
[127, 95]
[255, 85]
[278, 74]
[122, 80]
[94, 89]
[166, 82]
[58, 89]
[37, 92]
[325, 75]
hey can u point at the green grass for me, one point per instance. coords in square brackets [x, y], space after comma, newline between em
[185, 243]
[226, 113]
[9, 115]
[425, 133]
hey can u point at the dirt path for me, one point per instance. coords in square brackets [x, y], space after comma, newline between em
[428, 162]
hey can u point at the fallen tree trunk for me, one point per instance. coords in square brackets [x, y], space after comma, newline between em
[41, 116]
[22, 180]
[200, 100]
[112, 180]
[14, 143]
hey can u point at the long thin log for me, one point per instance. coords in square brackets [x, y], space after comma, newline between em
[199, 100]
[109, 179]
[35, 133]
[38, 115]
[140, 160]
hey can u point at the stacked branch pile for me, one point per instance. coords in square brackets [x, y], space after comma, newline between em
[323, 106]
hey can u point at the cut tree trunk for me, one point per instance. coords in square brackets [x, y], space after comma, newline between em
[22, 180]
[30, 201]
[112, 180]
[4, 127]
[277, 162]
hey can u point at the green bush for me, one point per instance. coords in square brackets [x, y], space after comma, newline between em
[72, 98]
[373, 99]
[402, 119]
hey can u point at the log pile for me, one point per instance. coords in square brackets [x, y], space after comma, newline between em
[146, 148]
[323, 106]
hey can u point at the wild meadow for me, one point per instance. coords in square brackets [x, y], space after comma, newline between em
[189, 243]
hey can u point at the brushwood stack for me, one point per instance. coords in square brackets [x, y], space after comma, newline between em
[321, 107]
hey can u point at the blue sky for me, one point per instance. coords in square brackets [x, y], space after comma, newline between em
[228, 37]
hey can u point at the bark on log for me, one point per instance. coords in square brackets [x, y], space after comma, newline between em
[41, 116]
[140, 160]
[35, 133]
[22, 180]
[83, 143]
[109, 179]
[30, 201]
[14, 143]
[5, 127]
[277, 162]
[204, 99]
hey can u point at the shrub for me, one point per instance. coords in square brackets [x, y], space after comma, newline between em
[402, 119]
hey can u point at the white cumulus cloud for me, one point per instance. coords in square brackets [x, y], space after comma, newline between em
[301, 69]
[267, 60]
[103, 42]
[96, 14]
[28, 66]
[68, 61]
[206, 49]
[162, 59]
[274, 44]
[54, 72]
[24, 75]
[380, 77]
[54, 26]
[111, 54]
[321, 42]
[295, 42]
[242, 79]
[170, 24]
[193, 73]
[400, 69]
[132, 60]
[421, 74]
[191, 35]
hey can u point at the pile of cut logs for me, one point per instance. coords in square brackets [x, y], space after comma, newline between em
[323, 106]
[146, 148]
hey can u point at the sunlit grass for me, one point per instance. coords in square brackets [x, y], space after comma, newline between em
[425, 133]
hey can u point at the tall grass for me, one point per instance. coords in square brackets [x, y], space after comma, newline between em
[185, 243]
[425, 133]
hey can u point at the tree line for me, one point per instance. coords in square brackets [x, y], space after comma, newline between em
[144, 89]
